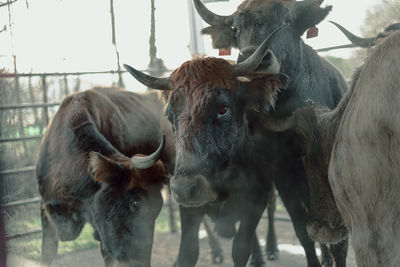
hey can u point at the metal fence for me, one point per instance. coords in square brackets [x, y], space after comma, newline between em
[35, 106]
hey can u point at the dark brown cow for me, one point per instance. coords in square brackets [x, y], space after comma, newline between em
[311, 77]
[88, 172]
[352, 154]
[218, 153]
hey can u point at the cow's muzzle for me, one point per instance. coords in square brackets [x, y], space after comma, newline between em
[192, 191]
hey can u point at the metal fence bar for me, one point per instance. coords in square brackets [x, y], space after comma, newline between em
[19, 170]
[28, 233]
[335, 47]
[21, 202]
[29, 105]
[22, 138]
[11, 75]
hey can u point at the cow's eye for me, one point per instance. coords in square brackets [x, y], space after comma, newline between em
[223, 110]
[235, 30]
[134, 205]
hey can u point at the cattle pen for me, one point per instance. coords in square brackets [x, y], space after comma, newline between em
[28, 101]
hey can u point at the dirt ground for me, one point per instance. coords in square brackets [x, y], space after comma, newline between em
[166, 246]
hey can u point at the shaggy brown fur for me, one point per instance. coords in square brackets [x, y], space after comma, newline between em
[358, 142]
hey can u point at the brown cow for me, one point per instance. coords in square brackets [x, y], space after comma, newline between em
[352, 154]
[311, 77]
[218, 154]
[88, 172]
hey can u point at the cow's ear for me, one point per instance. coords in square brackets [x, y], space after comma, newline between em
[262, 92]
[307, 16]
[221, 36]
[107, 170]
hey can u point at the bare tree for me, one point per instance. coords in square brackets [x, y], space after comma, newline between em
[376, 19]
[380, 16]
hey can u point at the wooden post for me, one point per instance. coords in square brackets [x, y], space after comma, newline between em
[32, 100]
[114, 41]
[66, 88]
[45, 108]
[156, 66]
[19, 112]
[77, 86]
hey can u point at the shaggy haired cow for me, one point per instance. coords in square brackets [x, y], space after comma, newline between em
[353, 161]
[311, 77]
[88, 171]
[218, 146]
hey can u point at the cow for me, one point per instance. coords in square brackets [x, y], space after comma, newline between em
[311, 78]
[219, 150]
[91, 169]
[352, 155]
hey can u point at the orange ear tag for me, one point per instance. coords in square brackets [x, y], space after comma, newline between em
[225, 51]
[313, 32]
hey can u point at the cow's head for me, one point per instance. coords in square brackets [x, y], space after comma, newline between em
[368, 41]
[126, 206]
[254, 20]
[207, 105]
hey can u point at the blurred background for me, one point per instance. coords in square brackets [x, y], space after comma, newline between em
[52, 48]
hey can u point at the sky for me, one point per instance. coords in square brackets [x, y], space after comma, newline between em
[75, 35]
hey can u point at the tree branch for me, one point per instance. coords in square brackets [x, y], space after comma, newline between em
[8, 3]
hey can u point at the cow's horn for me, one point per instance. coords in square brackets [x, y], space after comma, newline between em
[147, 80]
[145, 162]
[250, 64]
[362, 42]
[210, 17]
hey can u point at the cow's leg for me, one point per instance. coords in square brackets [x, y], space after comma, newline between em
[217, 253]
[339, 252]
[326, 257]
[49, 240]
[295, 206]
[108, 260]
[172, 207]
[272, 246]
[242, 242]
[189, 247]
[257, 258]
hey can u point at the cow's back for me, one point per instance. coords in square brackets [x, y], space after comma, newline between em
[104, 120]
[364, 170]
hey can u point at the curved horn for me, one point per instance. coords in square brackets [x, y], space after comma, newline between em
[145, 162]
[147, 80]
[250, 64]
[210, 17]
[362, 42]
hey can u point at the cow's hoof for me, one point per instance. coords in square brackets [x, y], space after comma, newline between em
[257, 263]
[324, 232]
[272, 255]
[327, 262]
[217, 257]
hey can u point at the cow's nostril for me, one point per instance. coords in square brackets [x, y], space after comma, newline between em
[184, 188]
[194, 189]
